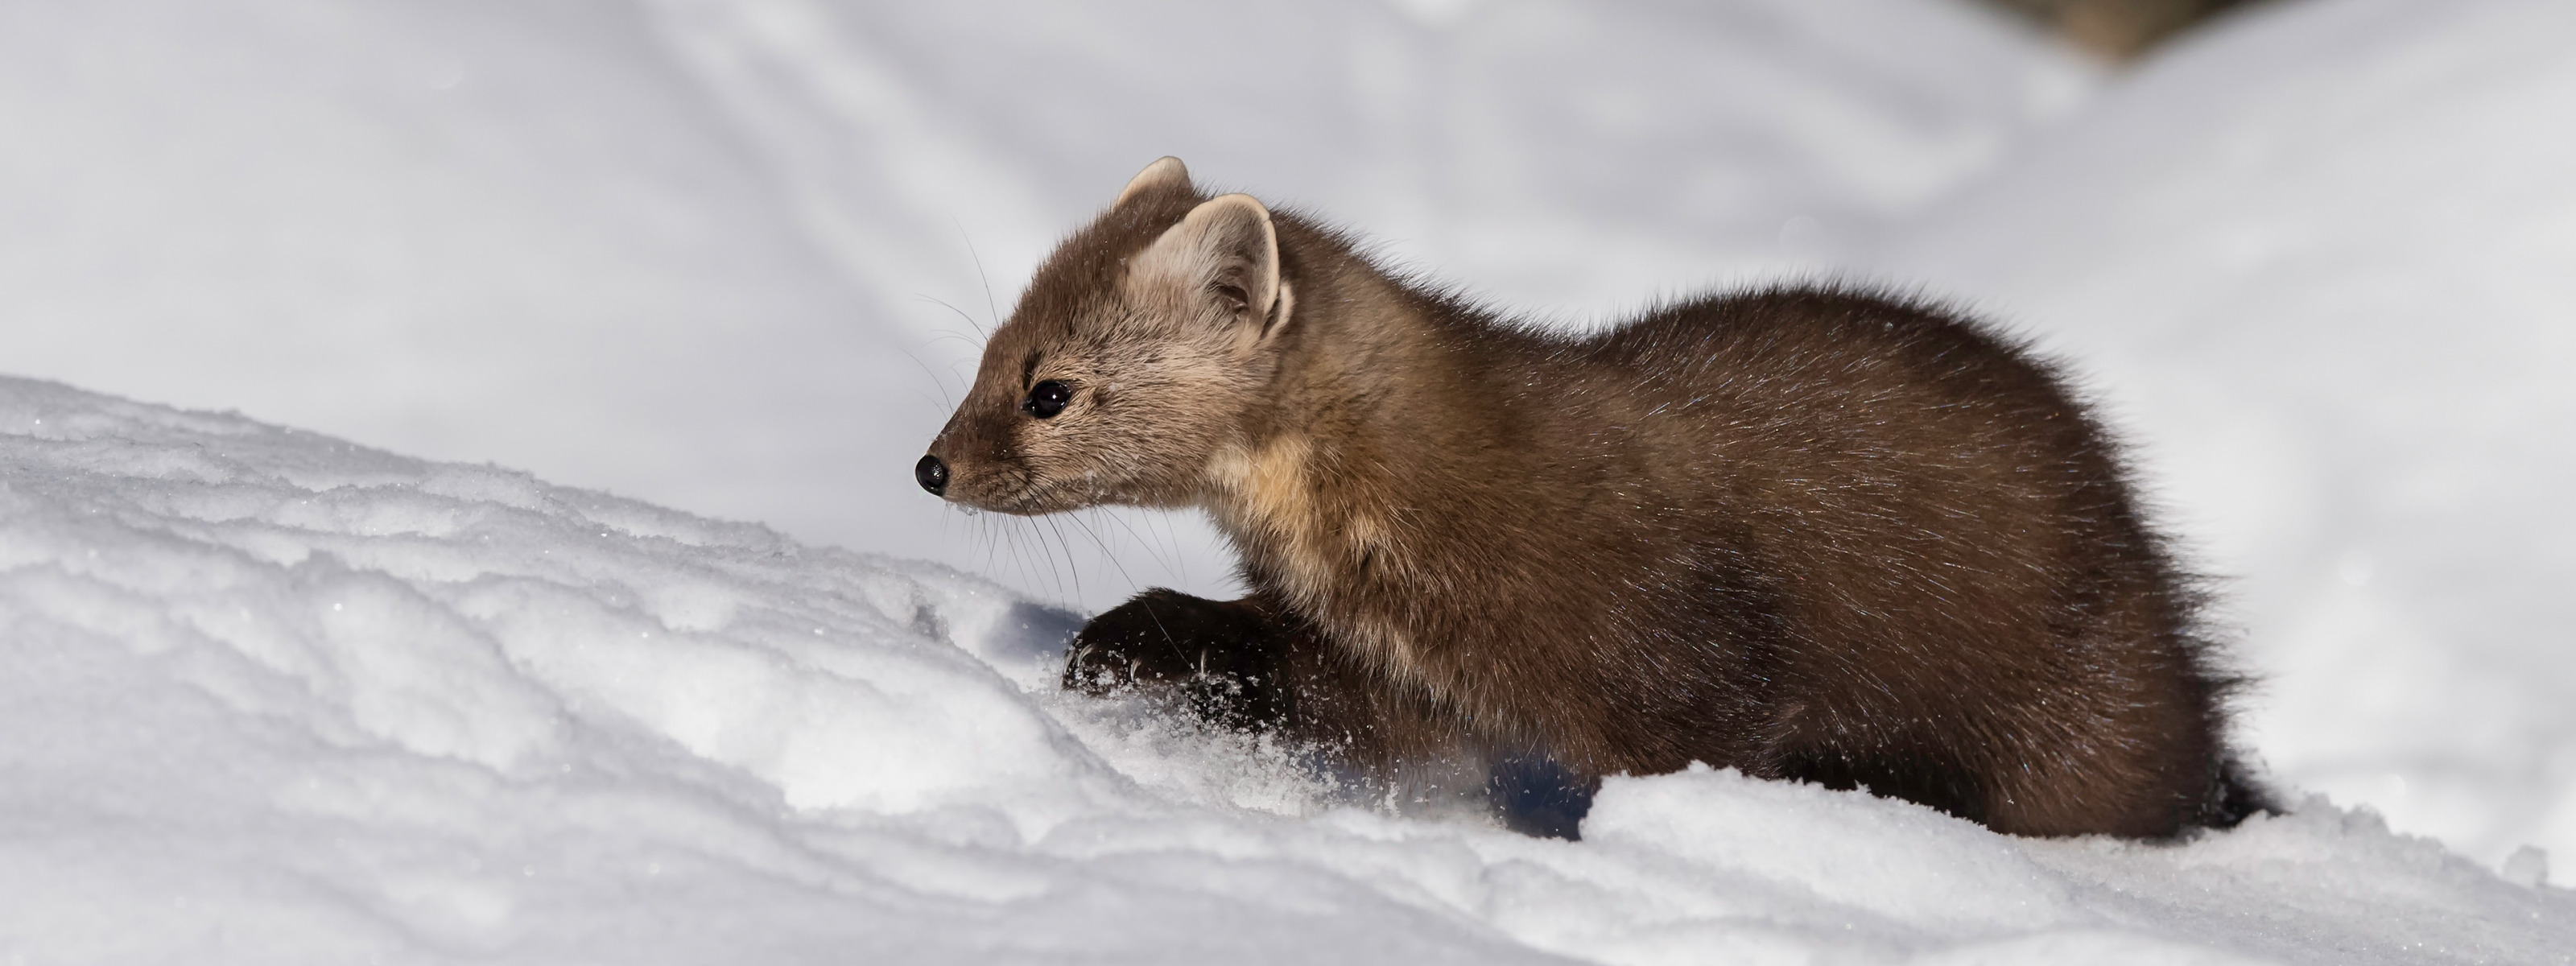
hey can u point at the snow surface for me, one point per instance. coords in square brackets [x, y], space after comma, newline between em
[730, 256]
[278, 698]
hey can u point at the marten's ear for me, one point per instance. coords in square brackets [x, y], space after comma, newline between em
[1165, 172]
[1223, 252]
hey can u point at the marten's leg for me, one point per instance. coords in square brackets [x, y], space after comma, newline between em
[1225, 658]
[1251, 663]
[1404, 749]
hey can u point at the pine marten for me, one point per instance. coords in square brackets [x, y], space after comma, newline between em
[1809, 533]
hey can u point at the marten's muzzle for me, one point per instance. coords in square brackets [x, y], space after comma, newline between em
[977, 465]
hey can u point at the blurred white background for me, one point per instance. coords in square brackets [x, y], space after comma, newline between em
[2320, 261]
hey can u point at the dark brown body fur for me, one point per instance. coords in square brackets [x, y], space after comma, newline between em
[1809, 534]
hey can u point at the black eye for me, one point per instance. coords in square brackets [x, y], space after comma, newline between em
[1047, 399]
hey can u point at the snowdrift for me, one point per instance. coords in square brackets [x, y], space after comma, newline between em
[274, 697]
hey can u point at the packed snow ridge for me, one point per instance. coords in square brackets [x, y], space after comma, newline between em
[275, 697]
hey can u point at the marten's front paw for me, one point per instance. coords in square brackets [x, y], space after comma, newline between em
[1219, 654]
[1160, 638]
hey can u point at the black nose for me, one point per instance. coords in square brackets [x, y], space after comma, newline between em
[932, 474]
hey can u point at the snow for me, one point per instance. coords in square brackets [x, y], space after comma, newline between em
[483, 231]
[286, 696]
[276, 697]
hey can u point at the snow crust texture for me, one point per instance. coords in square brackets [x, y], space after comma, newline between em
[278, 698]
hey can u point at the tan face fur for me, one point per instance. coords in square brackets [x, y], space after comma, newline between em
[1164, 320]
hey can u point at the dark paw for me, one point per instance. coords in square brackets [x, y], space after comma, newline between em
[1219, 656]
[1537, 797]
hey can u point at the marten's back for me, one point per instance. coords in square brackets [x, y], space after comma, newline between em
[1879, 546]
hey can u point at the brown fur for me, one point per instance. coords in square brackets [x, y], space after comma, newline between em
[1806, 533]
[2120, 29]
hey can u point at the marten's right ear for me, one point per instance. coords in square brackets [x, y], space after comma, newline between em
[1165, 172]
[1223, 256]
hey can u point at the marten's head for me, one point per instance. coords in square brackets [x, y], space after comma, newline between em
[1144, 346]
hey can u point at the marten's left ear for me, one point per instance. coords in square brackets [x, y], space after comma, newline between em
[1222, 259]
[1167, 173]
